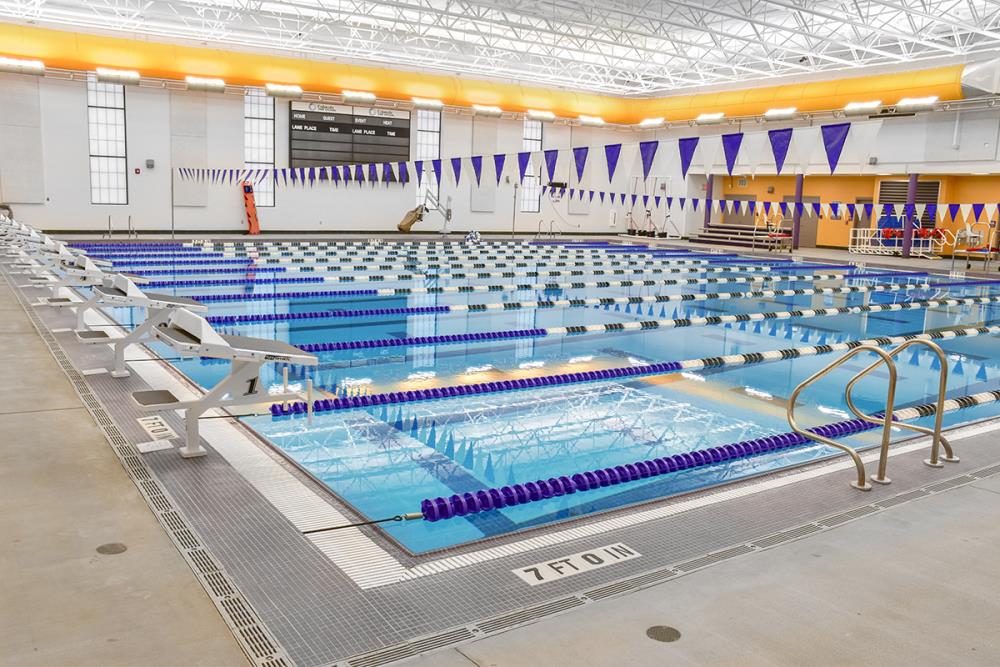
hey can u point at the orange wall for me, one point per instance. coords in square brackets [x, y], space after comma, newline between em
[848, 189]
[79, 51]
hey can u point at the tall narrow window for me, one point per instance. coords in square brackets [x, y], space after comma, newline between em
[428, 148]
[258, 141]
[531, 192]
[106, 124]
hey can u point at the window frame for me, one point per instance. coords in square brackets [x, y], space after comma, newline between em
[531, 186]
[103, 88]
[267, 197]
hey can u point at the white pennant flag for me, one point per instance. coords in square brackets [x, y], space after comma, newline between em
[991, 210]
[919, 209]
[806, 142]
[966, 210]
[710, 147]
[754, 150]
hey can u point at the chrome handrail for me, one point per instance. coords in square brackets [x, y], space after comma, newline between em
[938, 440]
[861, 482]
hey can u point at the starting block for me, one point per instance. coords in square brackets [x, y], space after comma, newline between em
[192, 336]
[123, 292]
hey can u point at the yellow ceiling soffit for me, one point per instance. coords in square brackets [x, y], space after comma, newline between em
[80, 51]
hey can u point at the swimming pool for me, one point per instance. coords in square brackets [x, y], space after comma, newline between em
[528, 362]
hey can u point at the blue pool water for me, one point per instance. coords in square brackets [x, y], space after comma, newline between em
[385, 460]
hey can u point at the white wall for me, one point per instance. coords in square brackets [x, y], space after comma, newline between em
[44, 166]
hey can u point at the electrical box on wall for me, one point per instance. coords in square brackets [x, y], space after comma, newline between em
[150, 164]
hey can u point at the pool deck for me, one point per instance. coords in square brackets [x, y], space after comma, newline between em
[793, 569]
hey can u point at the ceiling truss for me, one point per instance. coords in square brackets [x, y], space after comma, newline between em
[618, 47]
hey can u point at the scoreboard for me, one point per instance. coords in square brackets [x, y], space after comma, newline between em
[336, 134]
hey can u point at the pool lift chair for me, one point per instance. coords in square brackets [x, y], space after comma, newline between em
[191, 335]
[431, 204]
[123, 292]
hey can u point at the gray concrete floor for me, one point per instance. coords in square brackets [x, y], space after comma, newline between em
[63, 493]
[918, 584]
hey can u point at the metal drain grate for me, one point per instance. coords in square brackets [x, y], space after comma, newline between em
[987, 472]
[901, 498]
[532, 613]
[786, 536]
[255, 640]
[950, 483]
[610, 589]
[857, 512]
[711, 559]
[412, 648]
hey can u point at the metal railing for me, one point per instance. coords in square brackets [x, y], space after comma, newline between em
[885, 420]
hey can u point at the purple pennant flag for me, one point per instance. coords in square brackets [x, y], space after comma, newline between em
[800, 207]
[404, 172]
[545, 189]
[634, 197]
[359, 174]
[656, 201]
[346, 170]
[322, 175]
[731, 147]
[335, 174]
[835, 209]
[909, 210]
[953, 210]
[751, 206]
[498, 162]
[419, 165]
[601, 193]
[932, 211]
[591, 195]
[611, 153]
[780, 141]
[767, 208]
[888, 209]
[817, 208]
[834, 137]
[851, 210]
[868, 208]
[436, 166]
[580, 159]
[477, 168]
[647, 151]
[694, 203]
[687, 146]
[312, 175]
[572, 191]
[670, 202]
[456, 167]
[302, 174]
[622, 197]
[682, 201]
[284, 176]
[386, 173]
[783, 206]
[372, 173]
[522, 164]
[551, 157]
[645, 201]
[736, 206]
[977, 211]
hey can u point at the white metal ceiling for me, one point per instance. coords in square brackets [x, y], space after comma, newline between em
[622, 47]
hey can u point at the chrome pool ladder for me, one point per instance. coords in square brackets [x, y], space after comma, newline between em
[885, 421]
